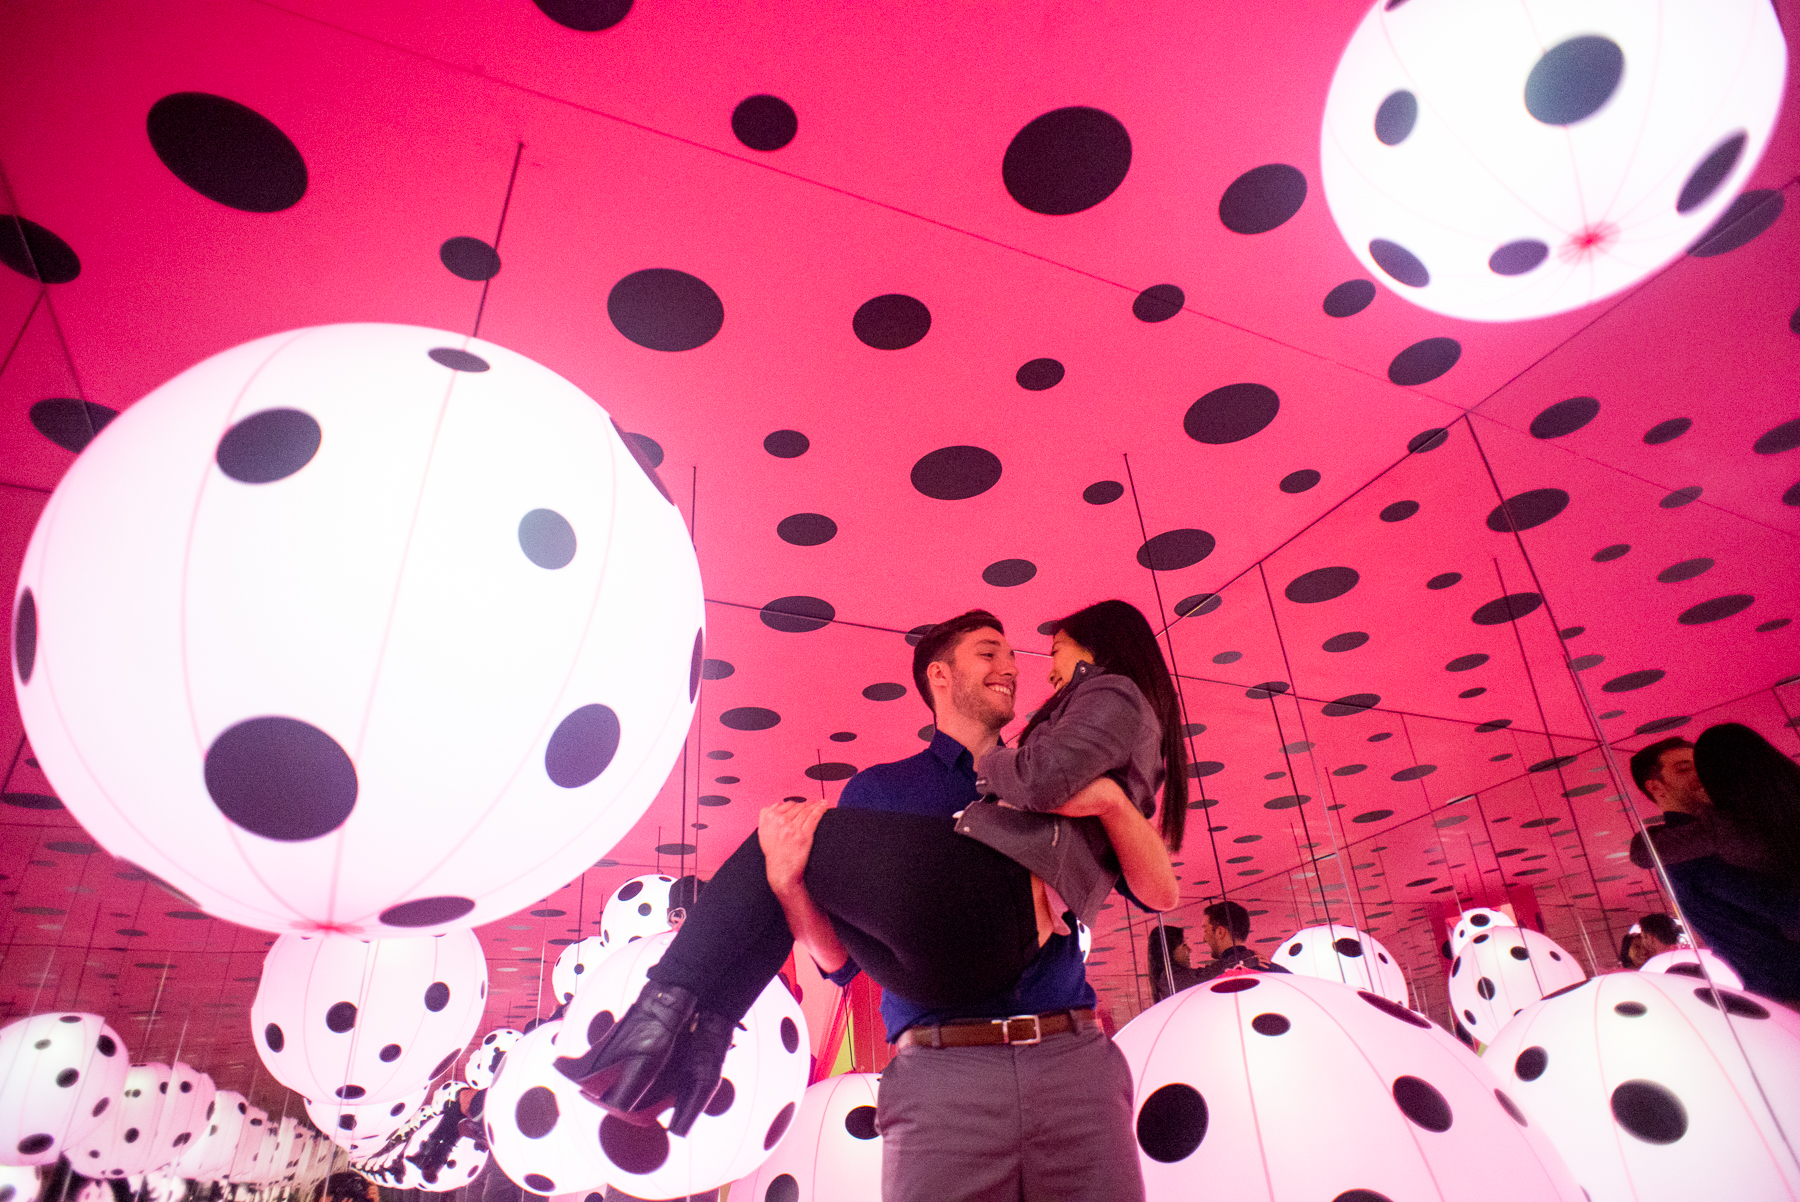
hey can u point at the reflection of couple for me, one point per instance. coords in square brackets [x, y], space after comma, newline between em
[952, 878]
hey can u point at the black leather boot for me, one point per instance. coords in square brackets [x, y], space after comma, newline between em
[690, 1078]
[616, 1072]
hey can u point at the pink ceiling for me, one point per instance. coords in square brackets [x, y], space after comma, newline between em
[409, 117]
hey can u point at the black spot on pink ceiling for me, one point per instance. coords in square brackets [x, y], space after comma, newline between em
[585, 16]
[1009, 573]
[1159, 302]
[749, 717]
[1668, 431]
[1039, 374]
[1399, 511]
[787, 444]
[1517, 258]
[716, 669]
[1198, 605]
[1321, 584]
[1348, 641]
[665, 310]
[764, 122]
[1399, 263]
[1784, 437]
[1424, 361]
[227, 152]
[956, 473]
[797, 615]
[280, 778]
[70, 424]
[891, 322]
[1615, 551]
[1464, 663]
[1509, 608]
[1067, 160]
[1527, 510]
[1716, 609]
[1262, 198]
[1231, 414]
[885, 691]
[469, 258]
[268, 446]
[582, 746]
[1573, 79]
[1710, 173]
[36, 253]
[696, 663]
[1443, 580]
[1172, 1123]
[1565, 417]
[1103, 492]
[1416, 772]
[1749, 215]
[1395, 117]
[1349, 298]
[1634, 680]
[1175, 549]
[1300, 481]
[1427, 440]
[1354, 703]
[1687, 569]
[456, 360]
[806, 529]
[1680, 497]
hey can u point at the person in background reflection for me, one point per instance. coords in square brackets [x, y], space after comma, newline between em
[1224, 929]
[1169, 958]
[1730, 844]
[1657, 933]
[1626, 945]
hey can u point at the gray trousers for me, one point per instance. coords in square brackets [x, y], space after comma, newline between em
[1046, 1122]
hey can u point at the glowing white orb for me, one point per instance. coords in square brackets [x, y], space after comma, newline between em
[208, 1155]
[1501, 971]
[121, 1145]
[1505, 161]
[59, 1072]
[362, 1127]
[573, 965]
[832, 1152]
[1471, 923]
[484, 1062]
[638, 908]
[372, 568]
[1685, 962]
[1345, 955]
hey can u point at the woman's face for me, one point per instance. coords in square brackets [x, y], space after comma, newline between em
[1065, 653]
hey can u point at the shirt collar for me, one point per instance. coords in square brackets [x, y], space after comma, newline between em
[951, 753]
[1082, 671]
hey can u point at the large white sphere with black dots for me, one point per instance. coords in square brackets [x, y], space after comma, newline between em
[487, 1056]
[1498, 162]
[59, 1073]
[832, 1152]
[367, 1020]
[248, 1160]
[573, 965]
[637, 909]
[1502, 970]
[120, 1145]
[18, 1183]
[362, 1126]
[540, 1131]
[188, 1096]
[1686, 962]
[1345, 955]
[759, 1091]
[368, 564]
[1274, 1087]
[1638, 1078]
[208, 1155]
[1473, 922]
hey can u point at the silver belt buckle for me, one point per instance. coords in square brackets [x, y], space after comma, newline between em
[1006, 1035]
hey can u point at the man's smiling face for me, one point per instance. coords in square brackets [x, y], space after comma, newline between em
[983, 676]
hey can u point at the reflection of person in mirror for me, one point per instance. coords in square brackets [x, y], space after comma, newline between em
[1225, 927]
[1170, 960]
[1730, 843]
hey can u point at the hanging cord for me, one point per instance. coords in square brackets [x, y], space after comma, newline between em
[62, 341]
[1275, 712]
[501, 229]
[1168, 960]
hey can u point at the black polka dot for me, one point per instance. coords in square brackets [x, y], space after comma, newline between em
[1270, 1024]
[790, 1034]
[25, 634]
[1067, 160]
[787, 444]
[227, 152]
[281, 778]
[469, 258]
[1395, 118]
[696, 664]
[1509, 608]
[891, 322]
[1512, 1110]
[1633, 680]
[860, 1123]
[1517, 258]
[841, 736]
[1421, 1102]
[1573, 79]
[1236, 985]
[797, 614]
[1443, 580]
[1262, 198]
[1399, 511]
[764, 122]
[1519, 953]
[646, 447]
[1350, 640]
[1367, 1195]
[1175, 549]
[1531, 1063]
[585, 16]
[1321, 584]
[456, 360]
[1171, 1123]
[341, 1017]
[598, 1026]
[1159, 302]
[1367, 815]
[582, 745]
[716, 669]
[1733, 1003]
[1008, 573]
[1103, 492]
[536, 1112]
[269, 446]
[1231, 414]
[1347, 947]
[885, 691]
[1425, 361]
[437, 996]
[1198, 605]
[1716, 609]
[1393, 1009]
[723, 1095]
[1565, 417]
[1483, 986]
[1687, 569]
[956, 473]
[70, 424]
[1427, 440]
[426, 911]
[1649, 1111]
[1668, 431]
[779, 1127]
[36, 253]
[1039, 374]
[1416, 772]
[31, 1145]
[827, 770]
[131, 1135]
[1746, 217]
[1265, 690]
[1349, 298]
[1527, 510]
[1300, 481]
[1776, 623]
[1608, 554]
[783, 1189]
[1710, 173]
[1681, 496]
[547, 538]
[1463, 663]
[540, 1183]
[806, 529]
[388, 1054]
[749, 717]
[1784, 437]
[665, 310]
[1399, 263]
[1354, 703]
[1634, 1009]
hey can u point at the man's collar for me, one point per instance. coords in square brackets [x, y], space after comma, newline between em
[948, 749]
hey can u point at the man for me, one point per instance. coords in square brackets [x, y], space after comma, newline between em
[1656, 934]
[1223, 929]
[973, 1109]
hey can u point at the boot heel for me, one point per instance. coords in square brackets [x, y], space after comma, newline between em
[616, 1072]
[704, 1063]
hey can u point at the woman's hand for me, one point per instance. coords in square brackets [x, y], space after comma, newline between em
[785, 830]
[1099, 799]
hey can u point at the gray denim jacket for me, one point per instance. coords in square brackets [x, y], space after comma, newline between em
[1102, 726]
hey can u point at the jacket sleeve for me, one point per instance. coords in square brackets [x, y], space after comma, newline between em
[1093, 735]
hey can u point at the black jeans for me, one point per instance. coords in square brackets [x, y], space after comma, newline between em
[929, 914]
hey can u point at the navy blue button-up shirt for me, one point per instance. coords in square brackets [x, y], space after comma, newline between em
[938, 782]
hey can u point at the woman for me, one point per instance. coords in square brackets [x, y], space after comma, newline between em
[935, 917]
[1167, 954]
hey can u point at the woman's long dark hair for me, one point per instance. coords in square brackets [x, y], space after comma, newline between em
[1751, 782]
[1121, 641]
[1162, 941]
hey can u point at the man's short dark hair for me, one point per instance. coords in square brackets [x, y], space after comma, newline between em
[1661, 928]
[1232, 917]
[1646, 764]
[940, 643]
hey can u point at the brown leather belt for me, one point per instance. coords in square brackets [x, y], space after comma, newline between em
[1020, 1029]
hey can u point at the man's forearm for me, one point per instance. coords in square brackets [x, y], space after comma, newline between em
[811, 928]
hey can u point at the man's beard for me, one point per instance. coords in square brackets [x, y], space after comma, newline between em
[972, 699]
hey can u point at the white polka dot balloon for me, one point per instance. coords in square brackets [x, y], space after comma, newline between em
[573, 965]
[18, 1183]
[1506, 161]
[1345, 955]
[58, 1074]
[367, 1020]
[484, 1062]
[637, 909]
[1638, 1080]
[369, 564]
[1274, 1086]
[247, 1161]
[187, 1098]
[1502, 970]
[208, 1155]
[541, 1133]
[1685, 962]
[831, 1154]
[363, 1126]
[1471, 923]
